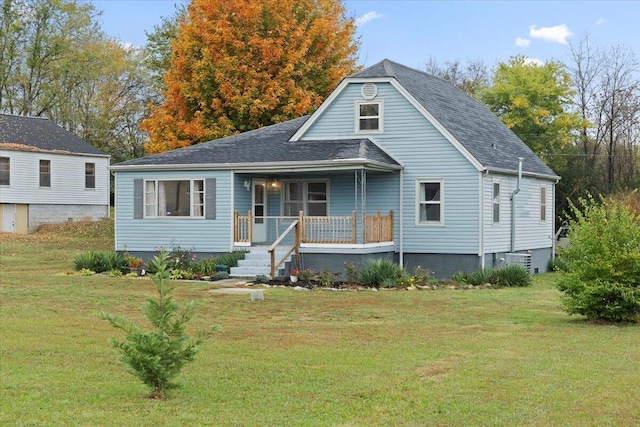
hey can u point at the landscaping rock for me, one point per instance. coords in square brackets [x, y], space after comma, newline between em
[300, 288]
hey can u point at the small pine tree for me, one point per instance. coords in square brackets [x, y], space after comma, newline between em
[157, 356]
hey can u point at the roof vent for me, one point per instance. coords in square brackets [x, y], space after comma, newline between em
[369, 91]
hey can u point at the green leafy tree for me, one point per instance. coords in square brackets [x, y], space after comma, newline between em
[56, 62]
[534, 102]
[157, 356]
[602, 281]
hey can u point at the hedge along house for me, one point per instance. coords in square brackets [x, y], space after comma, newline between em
[395, 163]
[48, 176]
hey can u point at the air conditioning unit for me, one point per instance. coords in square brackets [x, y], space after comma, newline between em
[519, 259]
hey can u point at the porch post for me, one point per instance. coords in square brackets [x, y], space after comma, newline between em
[235, 226]
[379, 225]
[250, 226]
[302, 227]
[391, 225]
[354, 227]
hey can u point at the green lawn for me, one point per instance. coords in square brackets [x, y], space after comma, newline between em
[502, 357]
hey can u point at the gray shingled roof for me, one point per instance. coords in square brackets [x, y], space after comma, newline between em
[40, 134]
[267, 145]
[482, 134]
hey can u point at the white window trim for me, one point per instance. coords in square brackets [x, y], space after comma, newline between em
[419, 223]
[380, 117]
[94, 177]
[9, 163]
[191, 201]
[493, 183]
[305, 193]
[546, 196]
[40, 174]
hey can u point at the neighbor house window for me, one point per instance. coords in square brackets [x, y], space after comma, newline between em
[496, 202]
[369, 116]
[5, 171]
[543, 203]
[89, 175]
[45, 173]
[311, 197]
[430, 202]
[174, 198]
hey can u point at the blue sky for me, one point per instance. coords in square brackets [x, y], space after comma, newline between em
[410, 32]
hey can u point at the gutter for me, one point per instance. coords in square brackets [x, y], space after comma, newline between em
[291, 166]
[513, 206]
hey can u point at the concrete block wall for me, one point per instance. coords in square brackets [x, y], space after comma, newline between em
[56, 214]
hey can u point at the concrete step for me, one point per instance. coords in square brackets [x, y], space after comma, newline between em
[258, 261]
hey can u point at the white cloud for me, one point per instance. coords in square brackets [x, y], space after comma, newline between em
[522, 42]
[557, 34]
[601, 21]
[534, 61]
[367, 17]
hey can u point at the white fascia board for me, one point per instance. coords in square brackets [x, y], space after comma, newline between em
[61, 152]
[528, 174]
[438, 126]
[316, 114]
[264, 167]
[384, 150]
[336, 92]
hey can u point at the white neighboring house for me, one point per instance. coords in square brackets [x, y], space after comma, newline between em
[48, 175]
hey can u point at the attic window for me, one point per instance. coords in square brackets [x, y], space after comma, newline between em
[369, 115]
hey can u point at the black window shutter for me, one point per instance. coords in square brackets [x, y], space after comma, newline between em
[210, 198]
[138, 198]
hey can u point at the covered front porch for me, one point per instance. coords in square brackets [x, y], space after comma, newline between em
[309, 212]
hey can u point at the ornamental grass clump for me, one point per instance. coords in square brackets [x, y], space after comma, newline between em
[512, 275]
[157, 356]
[380, 272]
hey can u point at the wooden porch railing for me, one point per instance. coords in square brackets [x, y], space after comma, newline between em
[378, 228]
[329, 229]
[296, 248]
[242, 231]
[326, 229]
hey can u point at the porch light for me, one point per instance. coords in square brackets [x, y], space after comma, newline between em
[274, 183]
[247, 184]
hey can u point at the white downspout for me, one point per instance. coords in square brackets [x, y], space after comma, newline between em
[513, 206]
[401, 219]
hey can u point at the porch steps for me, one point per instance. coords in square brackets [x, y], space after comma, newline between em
[258, 261]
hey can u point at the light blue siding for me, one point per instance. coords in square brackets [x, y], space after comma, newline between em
[196, 234]
[531, 232]
[426, 154]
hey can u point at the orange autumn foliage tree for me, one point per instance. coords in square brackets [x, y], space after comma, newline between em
[238, 65]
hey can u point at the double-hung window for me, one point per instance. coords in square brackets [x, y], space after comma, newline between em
[174, 198]
[496, 202]
[5, 171]
[543, 203]
[45, 173]
[430, 202]
[311, 197]
[89, 175]
[369, 116]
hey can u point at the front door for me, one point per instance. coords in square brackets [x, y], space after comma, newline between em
[259, 208]
[9, 218]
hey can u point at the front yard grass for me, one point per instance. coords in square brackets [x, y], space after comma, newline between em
[491, 357]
